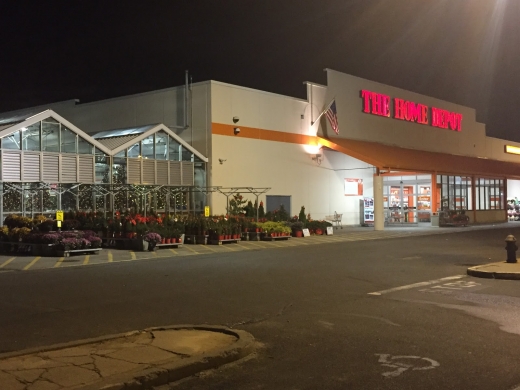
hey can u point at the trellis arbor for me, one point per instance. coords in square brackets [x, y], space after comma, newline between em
[47, 163]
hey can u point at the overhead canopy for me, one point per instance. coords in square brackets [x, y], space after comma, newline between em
[396, 158]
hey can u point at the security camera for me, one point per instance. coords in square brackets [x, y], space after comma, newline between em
[236, 119]
[236, 130]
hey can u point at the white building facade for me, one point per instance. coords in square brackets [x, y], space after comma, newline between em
[398, 157]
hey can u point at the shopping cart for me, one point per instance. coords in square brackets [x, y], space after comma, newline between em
[335, 219]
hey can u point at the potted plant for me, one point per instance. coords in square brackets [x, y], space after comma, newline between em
[297, 228]
[152, 239]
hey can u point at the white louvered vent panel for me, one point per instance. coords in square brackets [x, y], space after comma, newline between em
[69, 170]
[175, 173]
[11, 166]
[162, 172]
[134, 171]
[188, 173]
[148, 172]
[51, 170]
[86, 169]
[31, 166]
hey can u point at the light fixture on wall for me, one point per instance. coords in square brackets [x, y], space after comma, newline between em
[236, 119]
[316, 158]
[221, 161]
[236, 130]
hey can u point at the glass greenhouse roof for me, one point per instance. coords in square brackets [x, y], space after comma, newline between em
[17, 117]
[123, 132]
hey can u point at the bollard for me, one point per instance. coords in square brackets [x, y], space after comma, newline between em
[511, 248]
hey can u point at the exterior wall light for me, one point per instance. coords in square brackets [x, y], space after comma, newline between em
[236, 130]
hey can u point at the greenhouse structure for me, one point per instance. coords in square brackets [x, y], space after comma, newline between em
[48, 164]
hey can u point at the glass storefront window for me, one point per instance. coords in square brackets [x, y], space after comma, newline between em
[490, 194]
[174, 150]
[102, 169]
[122, 153]
[84, 147]
[161, 145]
[50, 136]
[135, 150]
[455, 192]
[12, 141]
[31, 137]
[147, 147]
[186, 155]
[68, 140]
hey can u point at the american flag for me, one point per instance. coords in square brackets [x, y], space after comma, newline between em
[332, 116]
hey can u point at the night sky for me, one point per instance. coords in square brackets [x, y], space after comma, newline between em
[463, 51]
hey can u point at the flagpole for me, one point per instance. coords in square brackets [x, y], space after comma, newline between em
[323, 112]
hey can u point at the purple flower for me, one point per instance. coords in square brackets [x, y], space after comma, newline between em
[50, 238]
[152, 237]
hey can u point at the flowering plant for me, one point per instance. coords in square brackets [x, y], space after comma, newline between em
[152, 237]
[50, 238]
[69, 243]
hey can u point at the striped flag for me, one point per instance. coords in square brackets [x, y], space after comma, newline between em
[332, 116]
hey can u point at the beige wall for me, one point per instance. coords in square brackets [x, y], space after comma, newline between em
[288, 170]
[356, 124]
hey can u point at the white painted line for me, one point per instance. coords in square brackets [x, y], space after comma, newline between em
[420, 284]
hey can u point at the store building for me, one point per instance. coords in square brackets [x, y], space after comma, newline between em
[398, 157]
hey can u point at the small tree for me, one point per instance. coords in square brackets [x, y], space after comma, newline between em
[302, 217]
[250, 210]
[237, 205]
[261, 211]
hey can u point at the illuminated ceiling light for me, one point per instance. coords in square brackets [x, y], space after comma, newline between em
[512, 149]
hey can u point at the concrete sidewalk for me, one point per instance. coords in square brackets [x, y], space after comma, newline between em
[500, 270]
[135, 360]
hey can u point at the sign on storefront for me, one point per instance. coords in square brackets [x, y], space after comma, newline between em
[59, 215]
[383, 105]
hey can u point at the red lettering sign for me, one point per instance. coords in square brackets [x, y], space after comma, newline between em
[375, 103]
[378, 104]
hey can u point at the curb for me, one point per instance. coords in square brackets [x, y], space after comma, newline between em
[164, 373]
[480, 273]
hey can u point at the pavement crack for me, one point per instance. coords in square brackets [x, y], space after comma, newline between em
[259, 320]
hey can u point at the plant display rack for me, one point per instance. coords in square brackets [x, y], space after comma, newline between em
[78, 251]
[250, 236]
[195, 239]
[267, 237]
[216, 241]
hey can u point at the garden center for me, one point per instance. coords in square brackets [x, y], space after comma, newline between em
[373, 154]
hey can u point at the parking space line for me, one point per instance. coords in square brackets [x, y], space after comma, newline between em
[208, 247]
[58, 263]
[87, 258]
[31, 263]
[174, 251]
[192, 250]
[110, 258]
[257, 245]
[132, 255]
[420, 284]
[7, 262]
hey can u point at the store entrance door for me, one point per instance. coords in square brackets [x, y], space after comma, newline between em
[407, 199]
[402, 204]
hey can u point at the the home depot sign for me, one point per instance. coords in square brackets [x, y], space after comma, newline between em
[379, 104]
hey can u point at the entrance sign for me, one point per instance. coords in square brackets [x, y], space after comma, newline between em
[379, 104]
[353, 187]
[59, 215]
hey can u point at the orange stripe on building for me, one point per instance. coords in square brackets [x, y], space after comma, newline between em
[265, 135]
